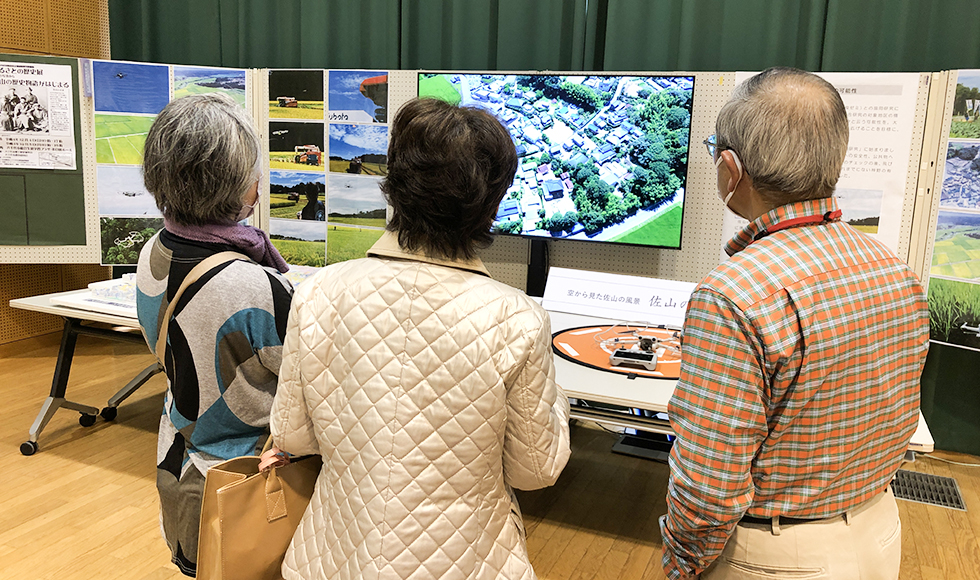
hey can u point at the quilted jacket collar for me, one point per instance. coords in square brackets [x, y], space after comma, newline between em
[387, 247]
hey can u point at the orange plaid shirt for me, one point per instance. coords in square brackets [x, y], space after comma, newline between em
[799, 386]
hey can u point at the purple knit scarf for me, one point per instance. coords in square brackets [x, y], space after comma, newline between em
[252, 241]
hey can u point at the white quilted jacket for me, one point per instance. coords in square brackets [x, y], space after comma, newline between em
[428, 388]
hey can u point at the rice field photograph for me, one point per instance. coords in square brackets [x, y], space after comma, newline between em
[127, 87]
[956, 251]
[301, 243]
[954, 312]
[197, 80]
[358, 149]
[861, 208]
[297, 195]
[296, 146]
[119, 139]
[121, 192]
[296, 94]
[357, 96]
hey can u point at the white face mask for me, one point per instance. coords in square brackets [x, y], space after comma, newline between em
[247, 210]
[726, 198]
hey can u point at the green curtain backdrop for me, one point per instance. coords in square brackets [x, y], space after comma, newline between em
[902, 35]
[677, 35]
[659, 35]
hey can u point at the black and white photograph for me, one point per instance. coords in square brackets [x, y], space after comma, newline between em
[24, 109]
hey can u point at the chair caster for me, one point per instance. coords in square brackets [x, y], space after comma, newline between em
[86, 420]
[108, 413]
[28, 448]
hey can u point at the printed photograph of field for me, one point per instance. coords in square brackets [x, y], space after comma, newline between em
[297, 195]
[358, 96]
[961, 177]
[357, 216]
[966, 106]
[120, 138]
[358, 149]
[296, 94]
[956, 253]
[121, 192]
[861, 208]
[196, 80]
[123, 238]
[301, 243]
[954, 312]
[296, 146]
[125, 87]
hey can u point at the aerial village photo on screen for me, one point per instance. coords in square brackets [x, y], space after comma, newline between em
[602, 158]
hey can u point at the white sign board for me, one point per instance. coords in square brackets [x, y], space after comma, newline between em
[617, 297]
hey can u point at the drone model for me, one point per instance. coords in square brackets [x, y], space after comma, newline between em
[641, 345]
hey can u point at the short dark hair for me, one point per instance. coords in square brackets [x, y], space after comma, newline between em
[200, 158]
[448, 169]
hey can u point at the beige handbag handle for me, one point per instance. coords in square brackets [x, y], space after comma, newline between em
[201, 269]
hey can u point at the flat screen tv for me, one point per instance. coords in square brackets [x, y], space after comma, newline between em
[603, 158]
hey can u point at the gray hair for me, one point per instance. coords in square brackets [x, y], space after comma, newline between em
[789, 128]
[201, 156]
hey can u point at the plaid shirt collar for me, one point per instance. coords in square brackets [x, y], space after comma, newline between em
[387, 247]
[810, 207]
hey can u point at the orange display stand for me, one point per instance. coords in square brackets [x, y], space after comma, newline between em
[633, 345]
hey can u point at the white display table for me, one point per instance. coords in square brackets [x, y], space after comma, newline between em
[74, 319]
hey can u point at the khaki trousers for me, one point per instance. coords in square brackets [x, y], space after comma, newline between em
[865, 544]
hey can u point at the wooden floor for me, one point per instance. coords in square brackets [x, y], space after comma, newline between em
[85, 506]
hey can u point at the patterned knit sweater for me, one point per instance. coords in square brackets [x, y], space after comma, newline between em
[224, 348]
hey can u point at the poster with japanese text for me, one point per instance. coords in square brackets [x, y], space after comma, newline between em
[954, 273]
[871, 189]
[36, 116]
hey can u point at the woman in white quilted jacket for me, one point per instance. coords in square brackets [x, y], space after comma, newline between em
[427, 387]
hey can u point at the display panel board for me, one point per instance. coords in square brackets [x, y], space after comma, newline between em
[328, 147]
[42, 192]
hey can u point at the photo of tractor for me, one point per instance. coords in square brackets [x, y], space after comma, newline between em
[308, 155]
[287, 101]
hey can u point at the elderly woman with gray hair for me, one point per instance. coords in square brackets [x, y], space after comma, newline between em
[224, 336]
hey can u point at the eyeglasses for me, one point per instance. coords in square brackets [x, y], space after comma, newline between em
[712, 145]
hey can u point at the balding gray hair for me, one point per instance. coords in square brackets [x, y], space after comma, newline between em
[201, 157]
[789, 128]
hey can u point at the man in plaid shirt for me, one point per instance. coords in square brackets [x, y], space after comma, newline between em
[799, 387]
